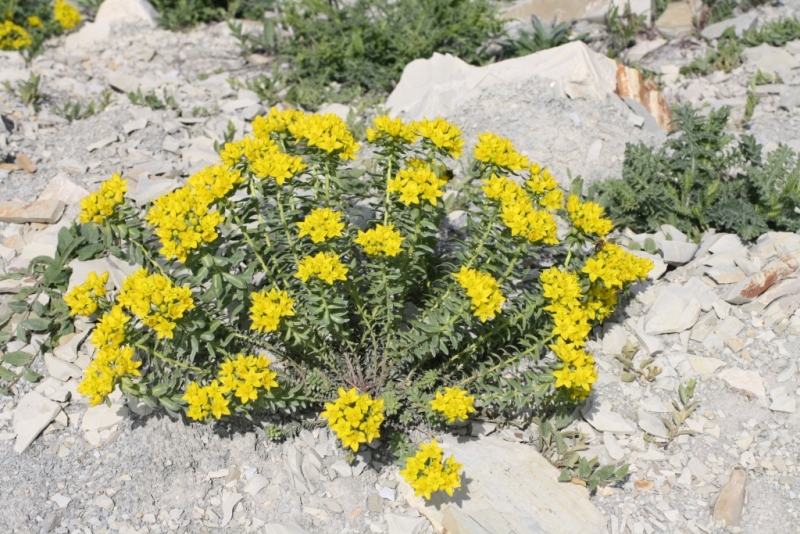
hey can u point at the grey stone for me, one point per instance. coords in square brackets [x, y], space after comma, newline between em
[748, 382]
[403, 524]
[704, 366]
[740, 24]
[771, 59]
[783, 400]
[676, 20]
[134, 125]
[730, 501]
[61, 369]
[103, 501]
[124, 82]
[104, 142]
[342, 468]
[256, 484]
[229, 502]
[284, 528]
[652, 425]
[127, 12]
[605, 420]
[33, 413]
[650, 124]
[60, 500]
[673, 311]
[374, 503]
[103, 416]
[512, 488]
[149, 190]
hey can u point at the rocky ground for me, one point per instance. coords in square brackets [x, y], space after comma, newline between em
[723, 313]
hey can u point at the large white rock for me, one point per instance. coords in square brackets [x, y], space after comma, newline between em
[436, 86]
[740, 24]
[748, 382]
[103, 416]
[33, 413]
[507, 487]
[673, 311]
[605, 420]
[127, 11]
[63, 189]
[89, 35]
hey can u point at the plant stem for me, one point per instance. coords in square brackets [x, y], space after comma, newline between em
[166, 359]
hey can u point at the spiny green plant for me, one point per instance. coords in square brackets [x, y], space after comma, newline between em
[541, 38]
[27, 91]
[73, 111]
[289, 283]
[622, 28]
[151, 100]
[703, 178]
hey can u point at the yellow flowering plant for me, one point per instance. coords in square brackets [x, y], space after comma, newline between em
[26, 24]
[293, 277]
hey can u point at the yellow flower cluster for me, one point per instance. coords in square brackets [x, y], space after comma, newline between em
[155, 300]
[245, 375]
[427, 472]
[615, 267]
[354, 418]
[518, 213]
[578, 371]
[381, 240]
[415, 181]
[203, 400]
[499, 151]
[100, 204]
[66, 15]
[35, 22]
[388, 130]
[572, 327]
[545, 187]
[213, 183]
[322, 224]
[483, 289]
[442, 134]
[113, 360]
[588, 217]
[270, 162]
[13, 37]
[83, 299]
[268, 308]
[275, 121]
[327, 132]
[453, 404]
[324, 266]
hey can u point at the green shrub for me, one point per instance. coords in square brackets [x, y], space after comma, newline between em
[366, 45]
[622, 29]
[177, 14]
[290, 278]
[542, 37]
[702, 178]
[27, 23]
[726, 56]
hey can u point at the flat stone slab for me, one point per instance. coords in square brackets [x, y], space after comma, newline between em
[41, 211]
[33, 413]
[507, 487]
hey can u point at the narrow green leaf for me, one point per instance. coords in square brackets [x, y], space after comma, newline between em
[18, 358]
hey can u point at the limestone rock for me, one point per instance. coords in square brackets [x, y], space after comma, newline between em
[33, 413]
[63, 189]
[509, 487]
[753, 286]
[604, 420]
[782, 400]
[149, 190]
[730, 502]
[652, 425]
[676, 20]
[436, 86]
[740, 24]
[772, 59]
[284, 528]
[403, 524]
[704, 366]
[559, 10]
[127, 11]
[673, 311]
[61, 369]
[41, 211]
[102, 416]
[748, 382]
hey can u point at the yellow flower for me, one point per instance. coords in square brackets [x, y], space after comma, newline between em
[35, 22]
[110, 329]
[453, 404]
[156, 301]
[427, 472]
[275, 121]
[66, 15]
[270, 162]
[518, 213]
[101, 204]
[499, 151]
[483, 289]
[321, 224]
[214, 183]
[541, 181]
[13, 37]
[415, 181]
[552, 200]
[111, 363]
[588, 217]
[388, 131]
[381, 240]
[324, 266]
[245, 375]
[83, 299]
[354, 418]
[441, 134]
[183, 218]
[328, 133]
[268, 308]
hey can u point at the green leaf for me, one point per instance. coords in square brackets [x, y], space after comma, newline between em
[31, 376]
[6, 375]
[36, 324]
[605, 472]
[235, 281]
[565, 476]
[18, 358]
[169, 404]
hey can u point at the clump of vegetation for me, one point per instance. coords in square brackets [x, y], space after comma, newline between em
[542, 37]
[152, 101]
[334, 292]
[73, 111]
[27, 91]
[726, 56]
[622, 29]
[27, 23]
[178, 14]
[703, 178]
